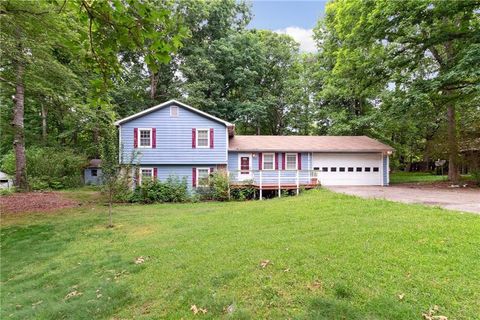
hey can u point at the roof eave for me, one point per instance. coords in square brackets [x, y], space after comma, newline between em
[310, 150]
[164, 104]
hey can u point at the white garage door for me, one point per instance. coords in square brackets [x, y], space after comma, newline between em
[335, 169]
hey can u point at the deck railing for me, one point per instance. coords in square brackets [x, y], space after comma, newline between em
[274, 179]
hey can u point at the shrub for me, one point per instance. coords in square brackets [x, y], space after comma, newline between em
[219, 186]
[49, 167]
[217, 189]
[242, 193]
[476, 176]
[173, 189]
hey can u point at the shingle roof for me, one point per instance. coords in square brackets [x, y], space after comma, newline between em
[307, 144]
[95, 163]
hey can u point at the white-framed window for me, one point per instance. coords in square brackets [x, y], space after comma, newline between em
[146, 174]
[144, 138]
[203, 138]
[173, 111]
[268, 161]
[291, 161]
[203, 175]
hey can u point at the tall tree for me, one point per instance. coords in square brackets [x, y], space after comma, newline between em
[428, 41]
[33, 33]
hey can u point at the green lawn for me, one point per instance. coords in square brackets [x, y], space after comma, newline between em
[411, 177]
[332, 257]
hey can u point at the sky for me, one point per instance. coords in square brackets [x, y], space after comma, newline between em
[295, 18]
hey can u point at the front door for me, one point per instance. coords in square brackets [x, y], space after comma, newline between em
[245, 163]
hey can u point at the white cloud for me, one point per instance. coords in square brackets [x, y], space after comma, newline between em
[302, 36]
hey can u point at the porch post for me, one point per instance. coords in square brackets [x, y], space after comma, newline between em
[279, 186]
[261, 198]
[298, 183]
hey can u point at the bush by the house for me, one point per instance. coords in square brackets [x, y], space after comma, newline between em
[476, 176]
[245, 192]
[219, 185]
[217, 189]
[49, 168]
[173, 189]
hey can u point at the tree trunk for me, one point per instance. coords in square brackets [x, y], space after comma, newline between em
[110, 225]
[153, 85]
[19, 133]
[44, 123]
[453, 175]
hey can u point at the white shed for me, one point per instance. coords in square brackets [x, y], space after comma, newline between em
[5, 181]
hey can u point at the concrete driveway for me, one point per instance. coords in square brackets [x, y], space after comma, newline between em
[460, 199]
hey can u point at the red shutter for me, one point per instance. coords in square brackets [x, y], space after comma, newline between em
[283, 161]
[276, 160]
[299, 161]
[211, 138]
[194, 138]
[259, 161]
[135, 137]
[194, 177]
[155, 173]
[154, 138]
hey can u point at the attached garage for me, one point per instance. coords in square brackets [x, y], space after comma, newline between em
[332, 160]
[349, 168]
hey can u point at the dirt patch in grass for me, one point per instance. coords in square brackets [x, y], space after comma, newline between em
[35, 202]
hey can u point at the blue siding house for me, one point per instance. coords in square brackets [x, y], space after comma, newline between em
[176, 139]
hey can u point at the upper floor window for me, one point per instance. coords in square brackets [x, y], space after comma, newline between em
[268, 161]
[203, 138]
[291, 161]
[173, 111]
[145, 138]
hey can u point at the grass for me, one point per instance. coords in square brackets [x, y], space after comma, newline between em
[412, 177]
[331, 256]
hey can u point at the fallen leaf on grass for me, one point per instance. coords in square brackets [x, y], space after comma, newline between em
[36, 303]
[72, 294]
[264, 263]
[286, 270]
[229, 309]
[401, 296]
[140, 260]
[430, 314]
[315, 285]
[196, 310]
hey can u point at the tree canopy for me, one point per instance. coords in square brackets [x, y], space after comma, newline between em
[405, 72]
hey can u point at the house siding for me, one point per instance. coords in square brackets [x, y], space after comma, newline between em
[179, 171]
[271, 176]
[174, 139]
